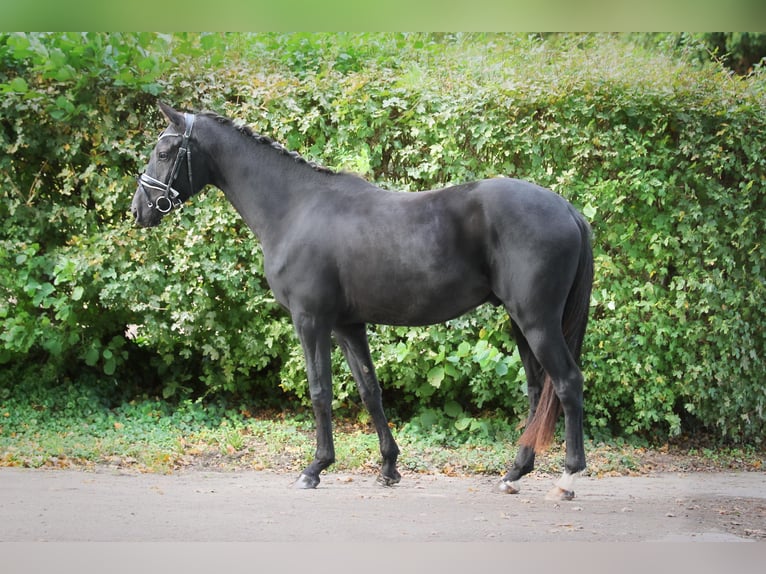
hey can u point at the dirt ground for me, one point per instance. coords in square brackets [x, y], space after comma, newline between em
[248, 506]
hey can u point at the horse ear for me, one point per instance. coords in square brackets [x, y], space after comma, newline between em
[174, 117]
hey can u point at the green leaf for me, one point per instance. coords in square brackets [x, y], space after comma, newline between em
[463, 349]
[453, 409]
[77, 293]
[65, 105]
[92, 356]
[110, 366]
[428, 418]
[44, 290]
[436, 376]
[18, 85]
[463, 423]
[53, 346]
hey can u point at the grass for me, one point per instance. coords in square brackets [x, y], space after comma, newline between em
[150, 436]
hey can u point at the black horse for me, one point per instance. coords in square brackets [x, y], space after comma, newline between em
[340, 252]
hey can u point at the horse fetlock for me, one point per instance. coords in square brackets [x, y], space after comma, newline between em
[575, 466]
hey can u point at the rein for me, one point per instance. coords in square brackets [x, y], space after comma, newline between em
[170, 198]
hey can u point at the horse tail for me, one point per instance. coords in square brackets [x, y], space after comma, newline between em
[541, 428]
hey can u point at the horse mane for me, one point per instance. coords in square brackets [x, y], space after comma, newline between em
[262, 139]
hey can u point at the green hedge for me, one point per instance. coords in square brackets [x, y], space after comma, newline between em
[664, 154]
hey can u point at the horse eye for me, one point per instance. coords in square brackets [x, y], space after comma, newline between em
[163, 155]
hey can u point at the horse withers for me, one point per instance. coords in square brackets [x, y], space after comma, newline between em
[340, 252]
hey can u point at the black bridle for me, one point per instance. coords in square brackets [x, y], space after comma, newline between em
[170, 198]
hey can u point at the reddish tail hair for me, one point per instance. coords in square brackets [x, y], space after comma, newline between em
[541, 429]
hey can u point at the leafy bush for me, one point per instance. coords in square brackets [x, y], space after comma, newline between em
[740, 51]
[665, 155]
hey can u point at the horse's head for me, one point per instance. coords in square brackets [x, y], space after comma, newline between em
[170, 177]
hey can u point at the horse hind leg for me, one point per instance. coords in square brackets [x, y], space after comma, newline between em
[525, 458]
[565, 380]
[353, 342]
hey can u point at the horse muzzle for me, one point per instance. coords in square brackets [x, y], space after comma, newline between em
[144, 213]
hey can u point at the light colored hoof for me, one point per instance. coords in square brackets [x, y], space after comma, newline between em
[558, 494]
[507, 487]
[305, 482]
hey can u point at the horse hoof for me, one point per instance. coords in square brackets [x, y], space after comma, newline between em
[508, 487]
[388, 480]
[306, 482]
[557, 493]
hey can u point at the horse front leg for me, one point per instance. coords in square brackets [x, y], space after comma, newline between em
[315, 339]
[353, 342]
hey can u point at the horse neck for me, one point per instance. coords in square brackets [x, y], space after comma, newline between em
[263, 184]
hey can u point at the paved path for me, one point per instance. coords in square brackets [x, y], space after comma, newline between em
[62, 505]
